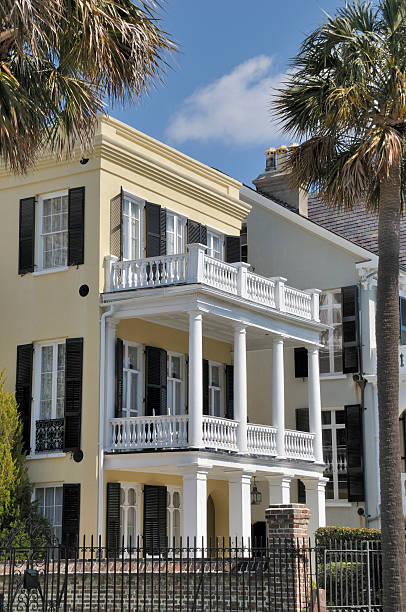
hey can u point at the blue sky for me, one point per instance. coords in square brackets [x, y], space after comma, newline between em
[215, 103]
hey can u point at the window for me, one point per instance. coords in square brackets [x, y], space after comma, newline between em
[130, 514]
[50, 500]
[53, 248]
[175, 234]
[175, 392]
[214, 245]
[335, 453]
[174, 515]
[132, 215]
[132, 381]
[244, 243]
[49, 396]
[402, 320]
[216, 386]
[330, 313]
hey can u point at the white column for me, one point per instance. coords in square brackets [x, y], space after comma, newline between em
[110, 378]
[195, 379]
[278, 395]
[239, 507]
[240, 386]
[194, 505]
[315, 402]
[279, 488]
[316, 502]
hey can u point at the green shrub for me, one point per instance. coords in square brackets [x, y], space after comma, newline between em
[325, 535]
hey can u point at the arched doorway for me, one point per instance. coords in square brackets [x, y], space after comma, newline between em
[211, 522]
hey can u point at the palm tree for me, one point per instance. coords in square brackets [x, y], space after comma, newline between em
[345, 100]
[60, 60]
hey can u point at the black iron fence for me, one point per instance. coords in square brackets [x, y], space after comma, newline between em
[221, 576]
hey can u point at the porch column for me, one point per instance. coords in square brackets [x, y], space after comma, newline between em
[278, 395]
[194, 505]
[316, 502]
[315, 402]
[239, 506]
[279, 488]
[240, 386]
[195, 379]
[110, 377]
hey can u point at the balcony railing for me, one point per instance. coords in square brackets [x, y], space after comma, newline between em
[162, 432]
[197, 267]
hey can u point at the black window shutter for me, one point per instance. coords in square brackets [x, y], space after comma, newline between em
[155, 381]
[402, 318]
[24, 390]
[70, 517]
[350, 326]
[302, 424]
[118, 410]
[26, 236]
[76, 226]
[155, 223]
[233, 249]
[116, 222]
[73, 393]
[196, 232]
[403, 422]
[355, 468]
[301, 362]
[229, 392]
[205, 386]
[244, 243]
[162, 238]
[154, 519]
[113, 516]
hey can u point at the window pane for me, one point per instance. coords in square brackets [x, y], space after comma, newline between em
[336, 296]
[216, 399]
[329, 490]
[326, 437]
[341, 437]
[176, 499]
[342, 488]
[169, 401]
[340, 417]
[175, 369]
[326, 417]
[324, 358]
[178, 388]
[133, 392]
[131, 497]
[132, 358]
[215, 376]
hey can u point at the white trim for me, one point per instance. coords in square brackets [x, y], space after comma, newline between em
[138, 506]
[140, 205]
[38, 229]
[46, 456]
[139, 373]
[332, 503]
[248, 195]
[209, 249]
[51, 271]
[170, 509]
[37, 370]
[333, 377]
[221, 368]
[181, 380]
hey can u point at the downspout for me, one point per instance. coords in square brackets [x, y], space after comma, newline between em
[103, 318]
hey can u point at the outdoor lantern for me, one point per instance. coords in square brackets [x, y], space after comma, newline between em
[256, 496]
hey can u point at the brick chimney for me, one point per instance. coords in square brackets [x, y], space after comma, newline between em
[274, 182]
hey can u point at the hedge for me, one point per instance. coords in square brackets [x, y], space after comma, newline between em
[325, 535]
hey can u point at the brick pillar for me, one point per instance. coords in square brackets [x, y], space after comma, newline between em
[287, 534]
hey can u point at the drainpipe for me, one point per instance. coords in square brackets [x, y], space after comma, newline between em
[107, 313]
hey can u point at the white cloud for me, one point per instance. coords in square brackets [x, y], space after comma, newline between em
[234, 109]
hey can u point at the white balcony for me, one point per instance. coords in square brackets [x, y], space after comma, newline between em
[195, 267]
[171, 432]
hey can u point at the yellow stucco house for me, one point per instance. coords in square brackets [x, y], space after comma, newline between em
[127, 314]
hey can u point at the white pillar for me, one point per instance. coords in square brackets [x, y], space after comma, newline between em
[110, 378]
[279, 488]
[240, 386]
[278, 395]
[316, 502]
[195, 379]
[194, 505]
[315, 402]
[239, 506]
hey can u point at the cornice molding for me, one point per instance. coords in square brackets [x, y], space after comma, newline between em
[161, 174]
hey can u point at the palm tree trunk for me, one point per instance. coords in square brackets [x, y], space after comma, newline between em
[387, 341]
